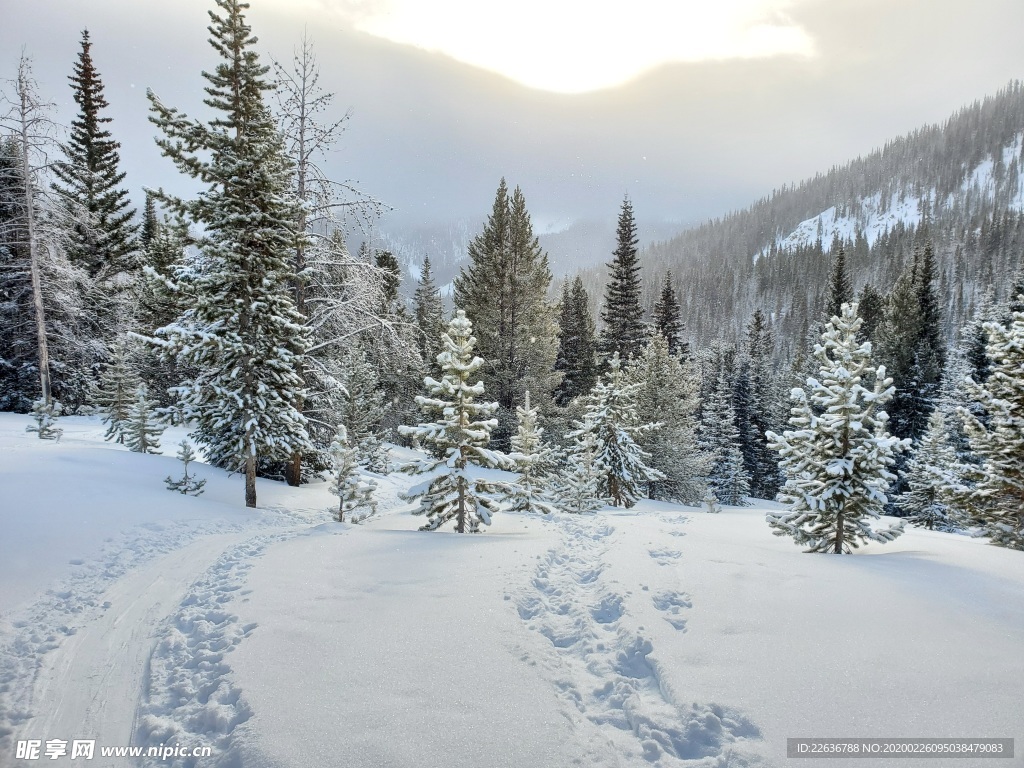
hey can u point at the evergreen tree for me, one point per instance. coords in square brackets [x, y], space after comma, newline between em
[453, 489]
[240, 331]
[150, 223]
[837, 455]
[577, 353]
[762, 417]
[534, 460]
[871, 310]
[580, 488]
[361, 407]
[720, 440]
[623, 331]
[116, 392]
[611, 417]
[928, 472]
[668, 319]
[102, 240]
[995, 496]
[667, 393]
[142, 430]
[45, 415]
[188, 485]
[428, 310]
[840, 291]
[504, 290]
[354, 493]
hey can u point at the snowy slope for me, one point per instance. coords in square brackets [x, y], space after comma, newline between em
[872, 217]
[654, 636]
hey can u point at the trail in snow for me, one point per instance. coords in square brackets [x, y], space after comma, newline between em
[190, 698]
[74, 663]
[605, 668]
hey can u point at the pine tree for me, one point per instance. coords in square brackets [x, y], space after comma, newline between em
[504, 290]
[580, 488]
[837, 455]
[150, 223]
[667, 393]
[116, 392]
[668, 319]
[577, 353]
[240, 331]
[721, 443]
[453, 489]
[361, 407]
[840, 291]
[534, 460]
[995, 496]
[928, 472]
[871, 310]
[142, 430]
[610, 415]
[354, 493]
[622, 315]
[103, 238]
[188, 485]
[45, 415]
[762, 416]
[428, 310]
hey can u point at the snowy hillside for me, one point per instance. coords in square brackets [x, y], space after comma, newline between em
[872, 216]
[656, 636]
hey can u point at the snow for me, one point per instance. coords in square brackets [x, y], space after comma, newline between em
[868, 217]
[658, 635]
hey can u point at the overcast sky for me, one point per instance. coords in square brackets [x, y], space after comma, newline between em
[692, 108]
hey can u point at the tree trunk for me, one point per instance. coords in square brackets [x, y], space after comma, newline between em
[250, 480]
[460, 517]
[839, 532]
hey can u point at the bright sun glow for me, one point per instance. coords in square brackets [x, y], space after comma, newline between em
[574, 46]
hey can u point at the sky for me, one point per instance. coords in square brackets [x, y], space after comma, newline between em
[693, 109]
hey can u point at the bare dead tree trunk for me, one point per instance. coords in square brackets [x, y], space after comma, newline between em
[26, 106]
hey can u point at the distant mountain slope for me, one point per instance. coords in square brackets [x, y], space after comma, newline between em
[960, 185]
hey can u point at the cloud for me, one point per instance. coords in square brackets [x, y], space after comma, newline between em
[576, 46]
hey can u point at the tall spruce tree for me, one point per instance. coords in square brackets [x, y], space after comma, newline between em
[503, 291]
[837, 455]
[928, 472]
[577, 352]
[721, 441]
[428, 310]
[102, 239]
[762, 409]
[668, 319]
[622, 316]
[840, 291]
[240, 332]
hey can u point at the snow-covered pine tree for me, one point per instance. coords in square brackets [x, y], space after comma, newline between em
[354, 494]
[928, 472]
[837, 456]
[840, 290]
[610, 415]
[142, 430]
[361, 407]
[995, 498]
[667, 393]
[579, 490]
[188, 485]
[116, 392]
[102, 239]
[577, 351]
[45, 415]
[504, 289]
[623, 331]
[763, 414]
[240, 331]
[534, 460]
[668, 319]
[720, 442]
[453, 488]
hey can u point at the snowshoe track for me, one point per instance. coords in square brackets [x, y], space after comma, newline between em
[606, 670]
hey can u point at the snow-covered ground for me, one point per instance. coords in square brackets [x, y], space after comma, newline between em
[653, 636]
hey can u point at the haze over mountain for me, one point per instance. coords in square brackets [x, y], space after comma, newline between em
[431, 136]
